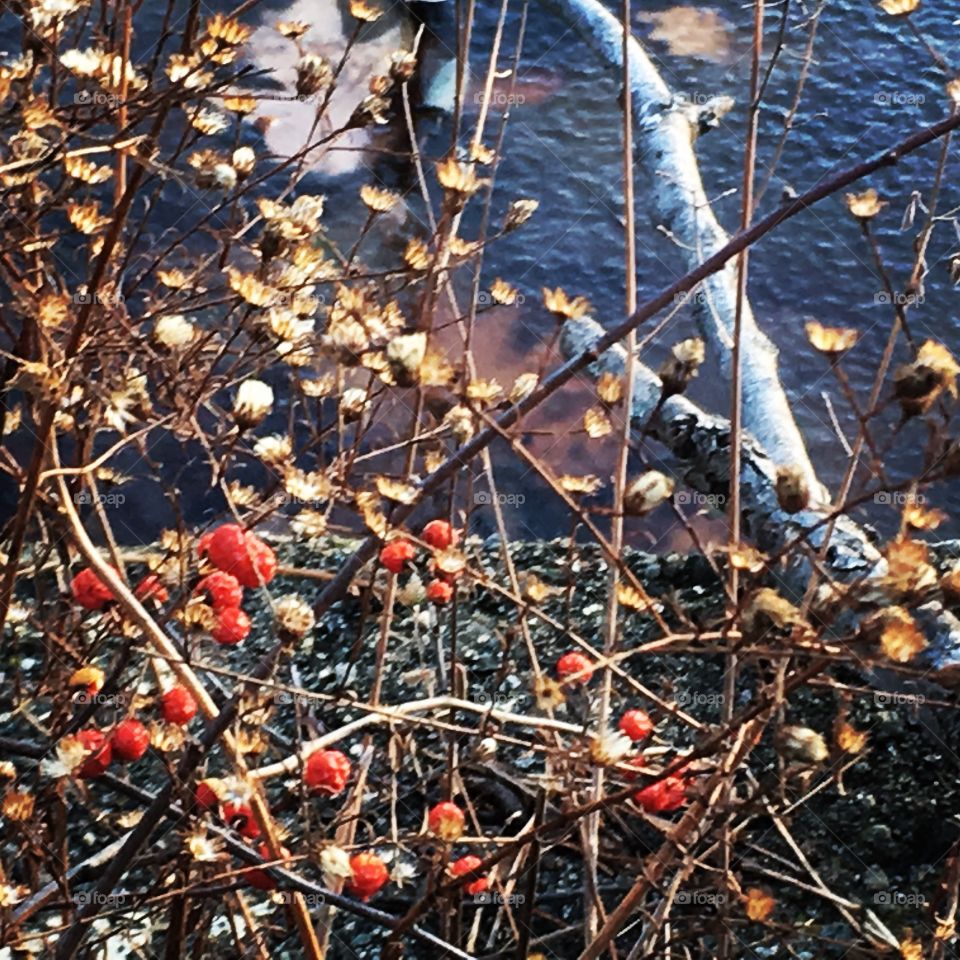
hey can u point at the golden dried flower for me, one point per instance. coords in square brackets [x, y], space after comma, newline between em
[866, 205]
[901, 639]
[292, 29]
[86, 218]
[416, 254]
[830, 340]
[294, 616]
[53, 310]
[240, 104]
[458, 179]
[250, 289]
[405, 355]
[646, 493]
[581, 486]
[682, 365]
[849, 739]
[88, 172]
[353, 403]
[548, 693]
[523, 386]
[558, 303]
[503, 293]
[801, 743]
[18, 805]
[596, 423]
[403, 63]
[519, 213]
[314, 73]
[377, 199]
[227, 31]
[364, 11]
[899, 8]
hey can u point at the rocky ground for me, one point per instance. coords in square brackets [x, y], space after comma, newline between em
[878, 839]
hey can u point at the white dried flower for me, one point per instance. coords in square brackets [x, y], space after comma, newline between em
[253, 403]
[647, 492]
[610, 747]
[174, 330]
[243, 161]
[352, 403]
[275, 449]
[335, 864]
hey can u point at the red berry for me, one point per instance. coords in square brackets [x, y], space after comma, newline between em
[327, 771]
[240, 817]
[130, 740]
[446, 821]
[223, 589]
[260, 878]
[178, 705]
[232, 549]
[151, 588]
[636, 725]
[396, 554]
[232, 625]
[439, 535]
[205, 795]
[466, 865]
[572, 664]
[439, 592]
[89, 590]
[100, 754]
[664, 795]
[369, 875]
[637, 761]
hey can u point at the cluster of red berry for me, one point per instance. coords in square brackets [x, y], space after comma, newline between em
[129, 739]
[667, 794]
[242, 560]
[438, 535]
[446, 821]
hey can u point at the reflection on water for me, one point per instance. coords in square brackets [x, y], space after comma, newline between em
[691, 32]
[286, 120]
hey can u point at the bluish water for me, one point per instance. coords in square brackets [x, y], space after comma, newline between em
[870, 84]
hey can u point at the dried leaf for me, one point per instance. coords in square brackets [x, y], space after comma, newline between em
[610, 388]
[597, 423]
[758, 904]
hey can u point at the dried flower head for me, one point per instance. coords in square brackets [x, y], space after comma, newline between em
[253, 403]
[294, 616]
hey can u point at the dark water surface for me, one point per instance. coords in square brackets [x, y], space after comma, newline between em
[870, 84]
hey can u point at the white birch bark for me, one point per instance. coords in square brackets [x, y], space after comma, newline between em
[665, 129]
